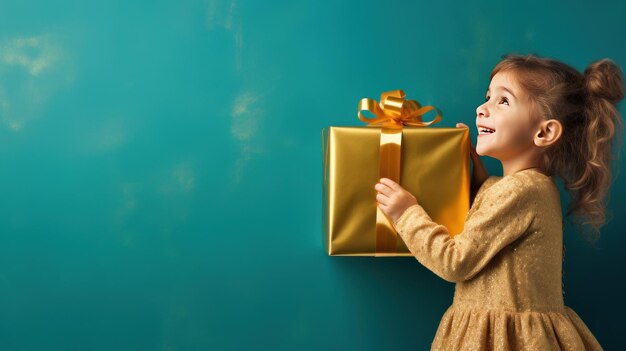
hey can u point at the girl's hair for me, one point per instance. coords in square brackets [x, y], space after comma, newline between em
[585, 105]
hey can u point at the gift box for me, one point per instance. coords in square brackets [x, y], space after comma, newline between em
[431, 163]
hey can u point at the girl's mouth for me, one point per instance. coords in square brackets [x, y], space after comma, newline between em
[485, 131]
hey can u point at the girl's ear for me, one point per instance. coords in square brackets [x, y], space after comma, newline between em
[549, 132]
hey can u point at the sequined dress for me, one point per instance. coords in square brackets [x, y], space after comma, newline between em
[507, 266]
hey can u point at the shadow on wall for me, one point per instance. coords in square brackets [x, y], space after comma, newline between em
[405, 298]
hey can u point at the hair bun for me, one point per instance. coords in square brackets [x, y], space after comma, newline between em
[604, 79]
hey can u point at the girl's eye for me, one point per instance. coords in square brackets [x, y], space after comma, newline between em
[503, 99]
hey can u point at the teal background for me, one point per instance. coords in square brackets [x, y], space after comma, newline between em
[160, 167]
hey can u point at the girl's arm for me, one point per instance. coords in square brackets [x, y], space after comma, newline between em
[503, 216]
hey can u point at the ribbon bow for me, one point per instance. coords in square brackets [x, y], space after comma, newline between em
[394, 111]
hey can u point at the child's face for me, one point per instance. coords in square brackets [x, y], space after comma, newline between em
[509, 114]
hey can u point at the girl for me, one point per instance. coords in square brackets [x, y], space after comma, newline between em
[541, 119]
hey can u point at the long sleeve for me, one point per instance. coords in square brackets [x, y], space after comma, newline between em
[505, 213]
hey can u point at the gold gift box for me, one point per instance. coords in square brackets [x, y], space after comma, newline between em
[433, 166]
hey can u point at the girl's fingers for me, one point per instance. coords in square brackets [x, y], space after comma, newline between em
[383, 208]
[381, 199]
[390, 183]
[383, 189]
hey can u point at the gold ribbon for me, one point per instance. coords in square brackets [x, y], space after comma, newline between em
[393, 112]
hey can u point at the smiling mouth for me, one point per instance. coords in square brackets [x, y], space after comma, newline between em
[485, 131]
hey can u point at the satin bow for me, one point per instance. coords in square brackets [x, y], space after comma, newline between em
[394, 111]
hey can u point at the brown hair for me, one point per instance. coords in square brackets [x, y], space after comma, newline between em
[585, 105]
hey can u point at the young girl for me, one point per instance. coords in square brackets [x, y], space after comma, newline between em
[541, 119]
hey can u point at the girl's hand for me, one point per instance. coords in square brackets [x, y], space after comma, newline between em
[393, 199]
[479, 173]
[473, 154]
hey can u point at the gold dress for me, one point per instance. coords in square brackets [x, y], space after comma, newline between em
[507, 266]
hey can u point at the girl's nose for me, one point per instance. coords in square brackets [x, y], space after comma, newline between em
[481, 111]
